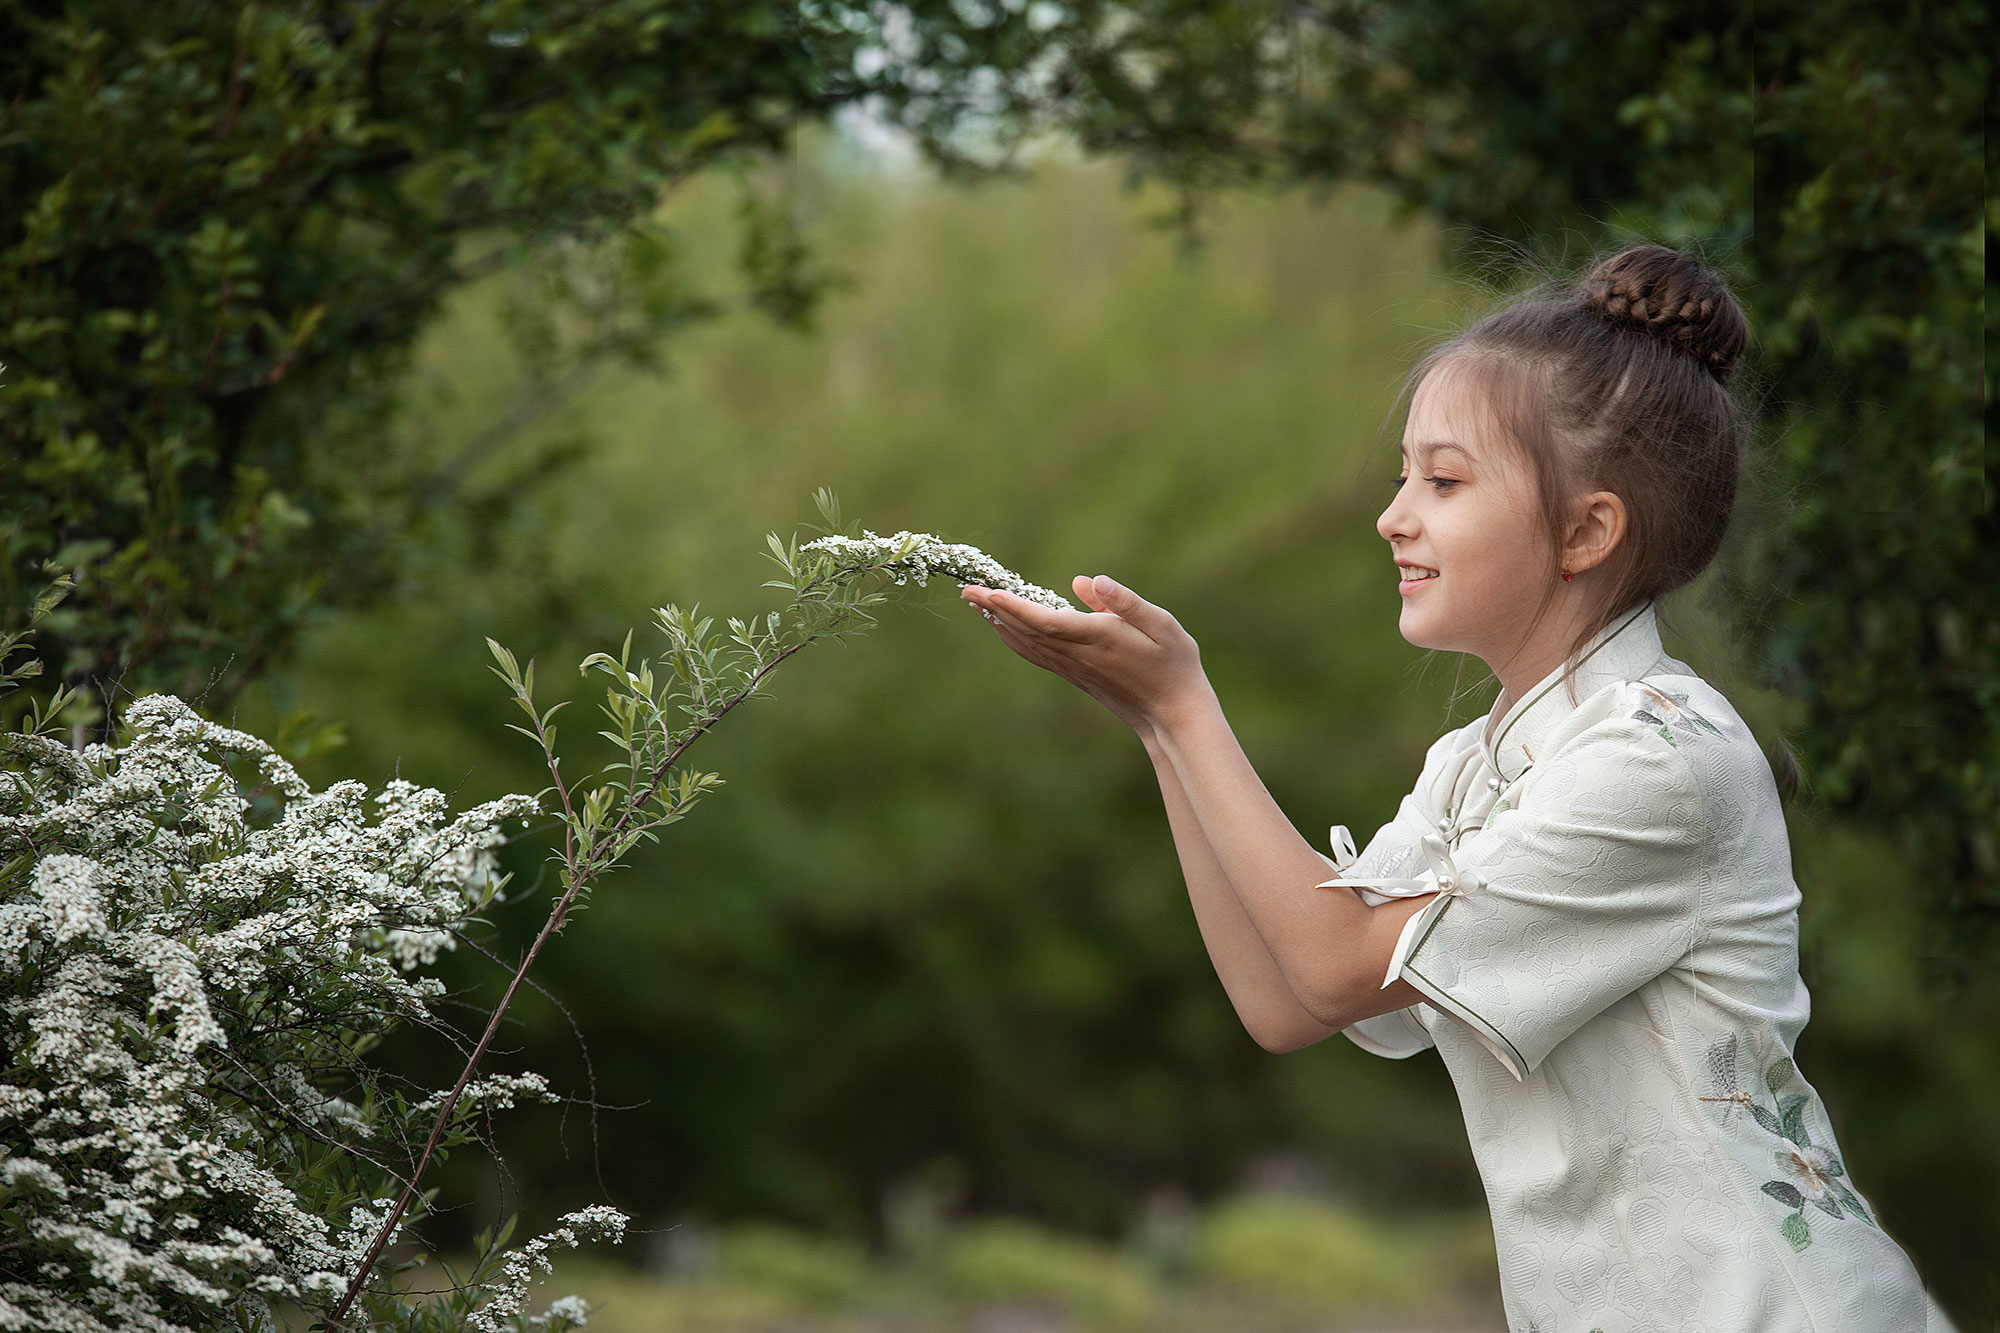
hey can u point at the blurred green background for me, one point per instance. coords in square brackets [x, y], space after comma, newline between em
[341, 335]
[927, 956]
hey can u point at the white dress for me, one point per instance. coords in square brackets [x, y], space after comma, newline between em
[1612, 980]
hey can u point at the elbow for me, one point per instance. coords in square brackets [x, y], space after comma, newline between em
[1334, 1003]
[1283, 1030]
[1312, 1016]
[1283, 1041]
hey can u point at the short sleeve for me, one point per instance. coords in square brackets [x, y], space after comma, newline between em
[1396, 1035]
[1393, 850]
[1588, 889]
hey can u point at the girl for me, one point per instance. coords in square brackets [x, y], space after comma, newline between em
[1586, 904]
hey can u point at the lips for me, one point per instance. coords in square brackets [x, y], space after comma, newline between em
[1411, 578]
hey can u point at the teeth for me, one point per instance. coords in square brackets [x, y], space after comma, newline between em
[1412, 574]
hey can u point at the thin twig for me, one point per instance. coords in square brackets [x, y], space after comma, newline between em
[576, 877]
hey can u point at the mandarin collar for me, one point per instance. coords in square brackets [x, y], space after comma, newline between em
[1627, 649]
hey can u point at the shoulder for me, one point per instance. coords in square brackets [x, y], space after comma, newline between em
[1675, 728]
[1698, 721]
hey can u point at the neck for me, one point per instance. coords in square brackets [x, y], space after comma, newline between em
[1541, 650]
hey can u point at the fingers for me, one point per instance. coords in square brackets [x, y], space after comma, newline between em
[1108, 594]
[1013, 632]
[1025, 643]
[1028, 617]
[1085, 588]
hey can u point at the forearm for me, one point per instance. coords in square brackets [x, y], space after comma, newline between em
[1264, 1001]
[1328, 947]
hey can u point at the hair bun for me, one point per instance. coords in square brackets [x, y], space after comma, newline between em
[1673, 298]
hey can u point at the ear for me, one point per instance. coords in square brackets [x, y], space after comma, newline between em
[1596, 527]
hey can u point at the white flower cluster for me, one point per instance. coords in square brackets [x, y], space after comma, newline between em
[193, 946]
[510, 1294]
[915, 556]
[496, 1092]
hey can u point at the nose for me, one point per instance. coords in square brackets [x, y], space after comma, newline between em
[1398, 522]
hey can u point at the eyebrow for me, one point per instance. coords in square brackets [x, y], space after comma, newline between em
[1434, 447]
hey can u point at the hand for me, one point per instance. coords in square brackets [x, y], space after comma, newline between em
[1129, 655]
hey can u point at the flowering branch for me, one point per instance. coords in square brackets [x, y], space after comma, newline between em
[659, 707]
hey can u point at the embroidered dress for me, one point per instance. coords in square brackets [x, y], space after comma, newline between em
[1611, 975]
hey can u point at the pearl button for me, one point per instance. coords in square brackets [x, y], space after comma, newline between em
[1444, 825]
[1493, 784]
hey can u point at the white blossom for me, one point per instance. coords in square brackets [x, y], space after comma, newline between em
[70, 901]
[572, 1310]
[496, 1092]
[916, 556]
[192, 942]
[510, 1294]
[27, 1173]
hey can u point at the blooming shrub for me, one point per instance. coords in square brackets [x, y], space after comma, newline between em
[197, 951]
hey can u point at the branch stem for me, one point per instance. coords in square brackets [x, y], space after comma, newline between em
[576, 875]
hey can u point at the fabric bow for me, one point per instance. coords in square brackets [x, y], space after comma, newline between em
[1443, 876]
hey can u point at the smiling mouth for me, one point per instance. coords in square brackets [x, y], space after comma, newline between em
[1414, 573]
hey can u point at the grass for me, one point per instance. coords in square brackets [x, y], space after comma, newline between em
[1254, 1264]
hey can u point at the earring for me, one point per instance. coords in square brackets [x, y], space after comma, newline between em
[1567, 576]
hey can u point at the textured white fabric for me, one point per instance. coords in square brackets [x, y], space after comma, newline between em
[1613, 983]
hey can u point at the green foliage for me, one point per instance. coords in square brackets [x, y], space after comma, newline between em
[1341, 1259]
[1263, 1264]
[1871, 594]
[659, 707]
[225, 225]
[1005, 1260]
[1429, 1270]
[815, 1270]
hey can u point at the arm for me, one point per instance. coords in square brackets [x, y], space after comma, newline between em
[1330, 948]
[1245, 863]
[1264, 1001]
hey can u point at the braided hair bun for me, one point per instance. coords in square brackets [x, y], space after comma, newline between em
[1674, 298]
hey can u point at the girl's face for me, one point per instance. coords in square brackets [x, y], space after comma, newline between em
[1466, 531]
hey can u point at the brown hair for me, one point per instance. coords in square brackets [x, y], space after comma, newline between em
[1620, 383]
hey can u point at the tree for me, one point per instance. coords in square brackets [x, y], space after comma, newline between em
[226, 225]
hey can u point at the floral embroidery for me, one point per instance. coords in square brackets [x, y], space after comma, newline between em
[1669, 713]
[1811, 1176]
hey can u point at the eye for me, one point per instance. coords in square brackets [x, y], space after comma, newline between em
[1442, 483]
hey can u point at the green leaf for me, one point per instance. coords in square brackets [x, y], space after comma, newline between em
[1784, 1192]
[1848, 1198]
[1792, 1120]
[1778, 1075]
[1795, 1231]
